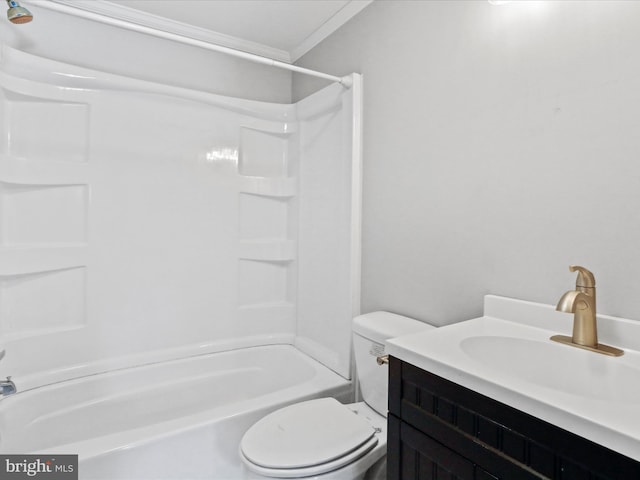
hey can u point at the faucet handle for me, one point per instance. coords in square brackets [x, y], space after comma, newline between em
[585, 277]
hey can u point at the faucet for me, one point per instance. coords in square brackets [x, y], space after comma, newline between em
[582, 303]
[7, 387]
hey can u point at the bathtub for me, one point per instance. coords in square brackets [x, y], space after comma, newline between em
[180, 419]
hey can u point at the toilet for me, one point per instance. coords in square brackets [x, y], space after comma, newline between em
[324, 438]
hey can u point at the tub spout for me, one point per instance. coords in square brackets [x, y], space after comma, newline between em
[7, 387]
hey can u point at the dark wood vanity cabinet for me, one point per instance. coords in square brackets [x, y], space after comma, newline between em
[441, 430]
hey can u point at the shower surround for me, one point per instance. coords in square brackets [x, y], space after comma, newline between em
[144, 223]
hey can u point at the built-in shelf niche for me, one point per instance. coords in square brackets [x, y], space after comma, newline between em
[44, 145]
[263, 153]
[266, 250]
[42, 302]
[44, 129]
[263, 217]
[42, 214]
[263, 282]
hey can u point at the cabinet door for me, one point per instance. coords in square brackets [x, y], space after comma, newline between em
[414, 455]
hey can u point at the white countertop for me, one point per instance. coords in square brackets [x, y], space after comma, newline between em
[507, 355]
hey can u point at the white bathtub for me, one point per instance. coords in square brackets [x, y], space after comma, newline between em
[181, 419]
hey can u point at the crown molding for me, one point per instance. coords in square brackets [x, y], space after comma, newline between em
[126, 14]
[345, 14]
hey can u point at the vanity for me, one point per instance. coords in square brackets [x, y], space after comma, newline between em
[495, 398]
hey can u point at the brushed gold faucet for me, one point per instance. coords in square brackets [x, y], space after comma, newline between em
[582, 303]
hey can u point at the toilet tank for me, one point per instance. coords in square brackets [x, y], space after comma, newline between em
[370, 331]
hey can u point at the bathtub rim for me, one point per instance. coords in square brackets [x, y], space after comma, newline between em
[45, 378]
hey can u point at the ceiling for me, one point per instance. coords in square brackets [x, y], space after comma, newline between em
[280, 29]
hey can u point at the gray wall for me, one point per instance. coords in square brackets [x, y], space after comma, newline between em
[502, 143]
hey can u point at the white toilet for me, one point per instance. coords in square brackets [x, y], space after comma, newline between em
[324, 438]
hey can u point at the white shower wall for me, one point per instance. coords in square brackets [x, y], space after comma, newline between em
[141, 222]
[329, 265]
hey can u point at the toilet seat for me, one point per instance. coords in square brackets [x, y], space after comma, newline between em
[280, 444]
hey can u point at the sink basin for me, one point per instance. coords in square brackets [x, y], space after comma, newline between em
[507, 355]
[557, 367]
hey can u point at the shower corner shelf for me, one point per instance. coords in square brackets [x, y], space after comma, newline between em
[267, 250]
[284, 187]
[280, 128]
[23, 171]
[22, 260]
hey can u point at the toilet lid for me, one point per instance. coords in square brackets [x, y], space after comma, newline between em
[305, 434]
[315, 470]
